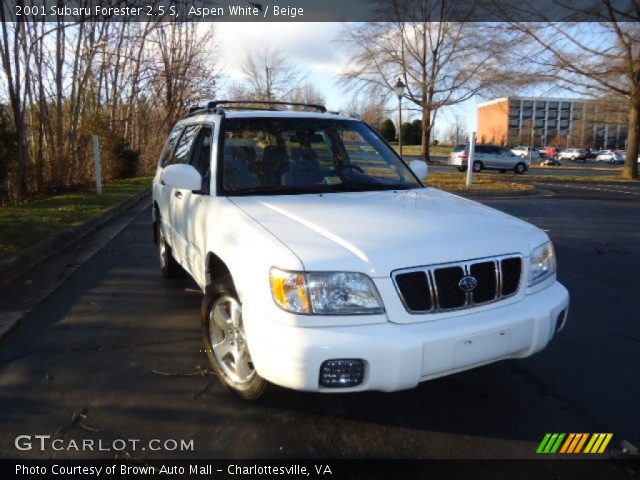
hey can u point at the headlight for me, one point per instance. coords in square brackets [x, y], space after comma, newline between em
[542, 264]
[325, 293]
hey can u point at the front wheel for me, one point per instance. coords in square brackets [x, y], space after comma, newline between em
[520, 168]
[226, 343]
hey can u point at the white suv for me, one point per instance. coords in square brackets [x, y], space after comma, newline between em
[327, 266]
[525, 152]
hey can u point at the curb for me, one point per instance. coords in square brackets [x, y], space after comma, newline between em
[23, 261]
[502, 194]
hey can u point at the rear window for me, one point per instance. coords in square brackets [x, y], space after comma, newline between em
[459, 148]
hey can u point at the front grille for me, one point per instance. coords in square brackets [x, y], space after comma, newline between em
[449, 294]
[436, 288]
[510, 275]
[413, 285]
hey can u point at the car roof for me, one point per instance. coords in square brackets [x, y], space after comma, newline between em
[204, 117]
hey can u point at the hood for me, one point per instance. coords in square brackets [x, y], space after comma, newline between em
[378, 232]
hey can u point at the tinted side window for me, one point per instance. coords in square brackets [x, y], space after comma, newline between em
[183, 149]
[168, 147]
[482, 149]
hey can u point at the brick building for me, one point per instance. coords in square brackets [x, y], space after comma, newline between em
[560, 122]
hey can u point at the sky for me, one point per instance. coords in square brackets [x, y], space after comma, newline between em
[312, 48]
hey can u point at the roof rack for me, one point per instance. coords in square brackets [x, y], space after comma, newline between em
[196, 110]
[212, 105]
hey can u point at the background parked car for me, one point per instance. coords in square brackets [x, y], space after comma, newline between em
[610, 156]
[523, 151]
[488, 157]
[573, 154]
[596, 152]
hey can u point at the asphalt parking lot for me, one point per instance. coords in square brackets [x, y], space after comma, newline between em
[114, 351]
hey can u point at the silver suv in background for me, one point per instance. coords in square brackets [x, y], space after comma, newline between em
[488, 157]
[573, 154]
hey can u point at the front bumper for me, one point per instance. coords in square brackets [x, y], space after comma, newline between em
[399, 356]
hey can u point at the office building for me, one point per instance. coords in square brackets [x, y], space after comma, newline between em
[560, 122]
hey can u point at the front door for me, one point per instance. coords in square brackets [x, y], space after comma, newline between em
[190, 225]
[177, 198]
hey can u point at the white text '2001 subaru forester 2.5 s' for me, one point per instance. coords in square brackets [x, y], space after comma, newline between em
[327, 265]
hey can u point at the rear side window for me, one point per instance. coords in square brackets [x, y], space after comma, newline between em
[183, 149]
[459, 148]
[168, 147]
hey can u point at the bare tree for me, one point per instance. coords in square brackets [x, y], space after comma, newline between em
[441, 63]
[307, 93]
[592, 59]
[65, 81]
[371, 109]
[269, 76]
[457, 131]
[185, 72]
[10, 51]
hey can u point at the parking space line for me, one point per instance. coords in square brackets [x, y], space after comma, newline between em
[611, 189]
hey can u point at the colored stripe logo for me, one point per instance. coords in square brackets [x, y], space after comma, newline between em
[574, 443]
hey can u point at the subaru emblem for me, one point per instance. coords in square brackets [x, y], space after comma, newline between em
[467, 283]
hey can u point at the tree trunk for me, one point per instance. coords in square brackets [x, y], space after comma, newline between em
[59, 167]
[426, 134]
[21, 182]
[630, 169]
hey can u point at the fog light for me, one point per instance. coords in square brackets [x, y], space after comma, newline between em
[560, 321]
[341, 373]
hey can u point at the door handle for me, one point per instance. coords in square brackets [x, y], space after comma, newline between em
[178, 194]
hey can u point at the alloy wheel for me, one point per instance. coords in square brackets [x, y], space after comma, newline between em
[228, 340]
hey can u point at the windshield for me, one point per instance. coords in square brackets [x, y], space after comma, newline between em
[263, 156]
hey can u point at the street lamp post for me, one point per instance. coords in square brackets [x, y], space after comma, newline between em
[399, 89]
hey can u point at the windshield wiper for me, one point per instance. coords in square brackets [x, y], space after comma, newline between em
[364, 186]
[285, 190]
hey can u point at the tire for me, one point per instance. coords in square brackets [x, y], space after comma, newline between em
[477, 166]
[461, 169]
[225, 341]
[168, 264]
[520, 168]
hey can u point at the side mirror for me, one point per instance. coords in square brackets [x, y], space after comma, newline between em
[182, 177]
[420, 169]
